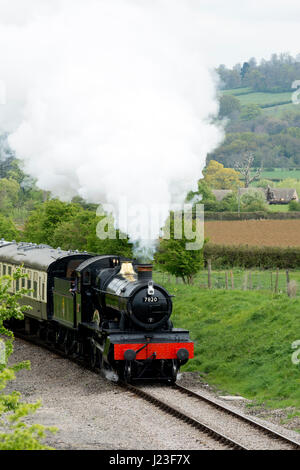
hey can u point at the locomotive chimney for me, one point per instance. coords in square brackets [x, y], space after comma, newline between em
[144, 272]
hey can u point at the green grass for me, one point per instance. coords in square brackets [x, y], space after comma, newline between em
[278, 207]
[237, 91]
[281, 174]
[260, 279]
[242, 341]
[274, 100]
[278, 111]
[262, 99]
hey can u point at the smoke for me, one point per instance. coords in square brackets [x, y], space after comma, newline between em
[109, 100]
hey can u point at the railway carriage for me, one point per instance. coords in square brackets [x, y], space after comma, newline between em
[105, 309]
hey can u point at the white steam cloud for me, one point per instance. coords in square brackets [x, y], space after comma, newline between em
[108, 99]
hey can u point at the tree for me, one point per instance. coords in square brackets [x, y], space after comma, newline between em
[294, 206]
[8, 229]
[245, 169]
[218, 177]
[245, 70]
[79, 232]
[251, 111]
[253, 201]
[229, 105]
[41, 224]
[15, 434]
[173, 257]
[9, 194]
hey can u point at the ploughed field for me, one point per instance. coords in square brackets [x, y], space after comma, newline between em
[254, 232]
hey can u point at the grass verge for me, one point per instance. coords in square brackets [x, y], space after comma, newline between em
[243, 341]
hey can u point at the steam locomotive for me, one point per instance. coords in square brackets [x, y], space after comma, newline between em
[104, 309]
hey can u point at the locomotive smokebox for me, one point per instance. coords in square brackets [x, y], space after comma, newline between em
[144, 272]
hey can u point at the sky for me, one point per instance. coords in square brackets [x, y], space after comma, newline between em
[232, 30]
[114, 98]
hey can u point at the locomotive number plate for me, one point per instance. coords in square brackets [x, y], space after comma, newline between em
[150, 299]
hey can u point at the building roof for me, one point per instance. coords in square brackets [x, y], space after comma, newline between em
[221, 193]
[283, 194]
[251, 190]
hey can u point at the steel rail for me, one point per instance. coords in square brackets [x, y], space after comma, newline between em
[265, 429]
[170, 409]
[227, 441]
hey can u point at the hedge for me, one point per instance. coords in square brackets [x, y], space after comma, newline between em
[251, 215]
[252, 256]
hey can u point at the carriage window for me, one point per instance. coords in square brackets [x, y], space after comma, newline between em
[9, 270]
[43, 291]
[35, 285]
[23, 282]
[17, 284]
[4, 269]
[29, 286]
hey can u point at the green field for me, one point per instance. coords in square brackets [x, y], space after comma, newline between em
[262, 99]
[280, 174]
[247, 97]
[243, 341]
[258, 280]
[278, 207]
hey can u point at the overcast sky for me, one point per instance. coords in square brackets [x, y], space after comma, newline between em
[233, 30]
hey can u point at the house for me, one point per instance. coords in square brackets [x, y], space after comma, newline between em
[281, 195]
[251, 190]
[221, 193]
[272, 195]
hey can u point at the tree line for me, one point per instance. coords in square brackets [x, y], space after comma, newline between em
[274, 75]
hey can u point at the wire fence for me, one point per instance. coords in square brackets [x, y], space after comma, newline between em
[277, 281]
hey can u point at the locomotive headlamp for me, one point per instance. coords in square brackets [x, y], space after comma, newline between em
[129, 355]
[150, 288]
[182, 354]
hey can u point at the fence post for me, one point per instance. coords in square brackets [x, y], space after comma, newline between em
[276, 280]
[232, 280]
[287, 280]
[226, 280]
[245, 281]
[209, 273]
[271, 281]
[250, 280]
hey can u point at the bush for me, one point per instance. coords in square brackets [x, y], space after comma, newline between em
[294, 206]
[252, 215]
[245, 256]
[15, 434]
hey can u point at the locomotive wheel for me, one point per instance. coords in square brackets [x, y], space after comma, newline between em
[127, 372]
[93, 356]
[174, 372]
[68, 343]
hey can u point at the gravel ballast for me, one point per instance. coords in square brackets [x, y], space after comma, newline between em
[92, 413]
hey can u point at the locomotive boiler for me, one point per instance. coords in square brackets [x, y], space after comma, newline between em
[105, 309]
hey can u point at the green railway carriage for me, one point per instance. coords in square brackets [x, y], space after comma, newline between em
[47, 271]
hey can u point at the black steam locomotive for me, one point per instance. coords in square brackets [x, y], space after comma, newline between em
[106, 309]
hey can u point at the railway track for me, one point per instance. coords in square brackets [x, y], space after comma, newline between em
[173, 411]
[227, 441]
[246, 419]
